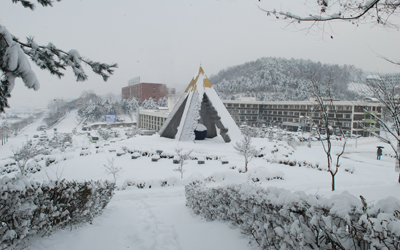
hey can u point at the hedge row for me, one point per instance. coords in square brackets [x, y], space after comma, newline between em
[28, 207]
[278, 219]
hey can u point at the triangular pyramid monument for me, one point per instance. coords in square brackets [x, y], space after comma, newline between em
[200, 104]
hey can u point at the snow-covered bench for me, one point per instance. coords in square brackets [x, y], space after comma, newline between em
[155, 158]
[201, 160]
[135, 155]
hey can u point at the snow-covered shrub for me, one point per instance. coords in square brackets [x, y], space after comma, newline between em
[28, 207]
[261, 174]
[279, 219]
[32, 166]
[85, 152]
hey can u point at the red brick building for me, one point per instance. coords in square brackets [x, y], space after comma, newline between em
[144, 91]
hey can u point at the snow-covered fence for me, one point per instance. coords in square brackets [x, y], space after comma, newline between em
[28, 207]
[279, 219]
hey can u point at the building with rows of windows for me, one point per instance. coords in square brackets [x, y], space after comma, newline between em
[144, 91]
[289, 115]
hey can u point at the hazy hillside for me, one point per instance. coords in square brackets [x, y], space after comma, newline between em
[283, 79]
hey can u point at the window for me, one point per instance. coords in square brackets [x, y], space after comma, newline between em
[290, 113]
[285, 106]
[279, 106]
[285, 112]
[274, 106]
[242, 105]
[339, 115]
[235, 105]
[248, 105]
[348, 116]
[242, 111]
[296, 113]
[229, 104]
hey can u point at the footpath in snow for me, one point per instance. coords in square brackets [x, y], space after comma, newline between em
[146, 219]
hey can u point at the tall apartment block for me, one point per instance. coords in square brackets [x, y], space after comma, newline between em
[144, 91]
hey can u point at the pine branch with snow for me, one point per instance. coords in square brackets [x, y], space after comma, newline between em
[30, 5]
[14, 63]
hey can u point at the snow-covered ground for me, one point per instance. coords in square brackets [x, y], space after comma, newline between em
[157, 218]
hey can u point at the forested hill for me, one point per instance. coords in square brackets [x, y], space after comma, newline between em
[274, 79]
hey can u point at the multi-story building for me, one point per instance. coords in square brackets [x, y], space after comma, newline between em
[152, 119]
[290, 115]
[144, 91]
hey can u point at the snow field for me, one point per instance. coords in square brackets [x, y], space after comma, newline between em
[157, 218]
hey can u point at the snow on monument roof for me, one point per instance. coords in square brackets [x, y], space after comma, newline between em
[200, 104]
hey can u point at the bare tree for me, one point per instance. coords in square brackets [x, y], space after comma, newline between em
[112, 169]
[322, 93]
[388, 129]
[247, 150]
[183, 157]
[23, 154]
[354, 11]
[5, 132]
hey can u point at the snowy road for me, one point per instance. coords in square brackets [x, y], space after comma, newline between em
[147, 219]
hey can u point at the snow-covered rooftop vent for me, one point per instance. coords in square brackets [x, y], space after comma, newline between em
[200, 104]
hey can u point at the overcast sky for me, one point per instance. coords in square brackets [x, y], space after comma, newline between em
[166, 41]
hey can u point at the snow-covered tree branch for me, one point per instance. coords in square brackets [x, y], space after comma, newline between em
[30, 5]
[246, 149]
[14, 63]
[388, 131]
[23, 154]
[354, 11]
[183, 158]
[322, 93]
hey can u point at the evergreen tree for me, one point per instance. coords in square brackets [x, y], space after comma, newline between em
[14, 63]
